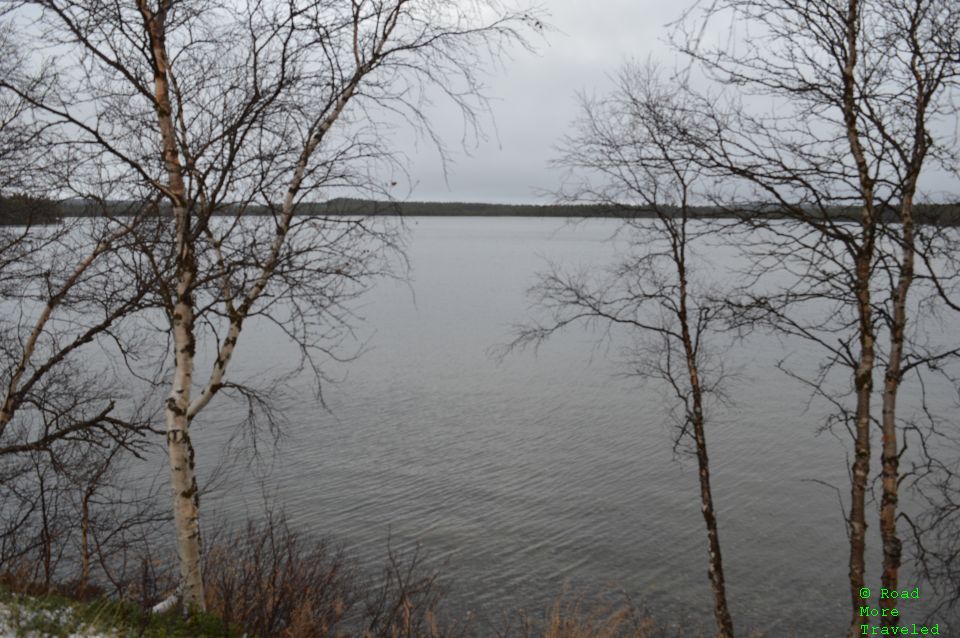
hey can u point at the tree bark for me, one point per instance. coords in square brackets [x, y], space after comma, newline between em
[863, 385]
[890, 459]
[863, 382]
[183, 481]
[721, 610]
[863, 262]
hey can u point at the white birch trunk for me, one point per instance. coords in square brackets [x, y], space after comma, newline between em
[183, 480]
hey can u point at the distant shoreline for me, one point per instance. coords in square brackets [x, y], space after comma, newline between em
[24, 210]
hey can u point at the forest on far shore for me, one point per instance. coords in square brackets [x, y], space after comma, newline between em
[21, 210]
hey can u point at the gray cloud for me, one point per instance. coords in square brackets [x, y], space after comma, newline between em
[534, 102]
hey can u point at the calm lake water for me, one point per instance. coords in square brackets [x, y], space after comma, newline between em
[546, 471]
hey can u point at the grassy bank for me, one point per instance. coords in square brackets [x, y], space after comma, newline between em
[27, 616]
[56, 615]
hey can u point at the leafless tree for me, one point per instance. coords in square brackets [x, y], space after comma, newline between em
[67, 418]
[72, 518]
[16, 132]
[629, 152]
[61, 298]
[229, 117]
[848, 97]
[936, 532]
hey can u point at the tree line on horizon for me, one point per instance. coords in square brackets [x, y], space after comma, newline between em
[25, 209]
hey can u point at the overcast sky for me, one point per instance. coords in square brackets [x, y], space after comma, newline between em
[534, 101]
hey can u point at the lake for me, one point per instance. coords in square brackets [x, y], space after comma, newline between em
[543, 471]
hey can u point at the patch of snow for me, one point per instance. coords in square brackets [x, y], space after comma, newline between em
[12, 614]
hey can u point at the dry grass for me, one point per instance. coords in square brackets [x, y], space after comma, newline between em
[580, 616]
[271, 582]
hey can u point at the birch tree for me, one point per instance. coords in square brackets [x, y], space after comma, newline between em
[629, 153]
[68, 419]
[856, 92]
[229, 117]
[60, 296]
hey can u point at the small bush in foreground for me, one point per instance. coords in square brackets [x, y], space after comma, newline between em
[275, 583]
[271, 582]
